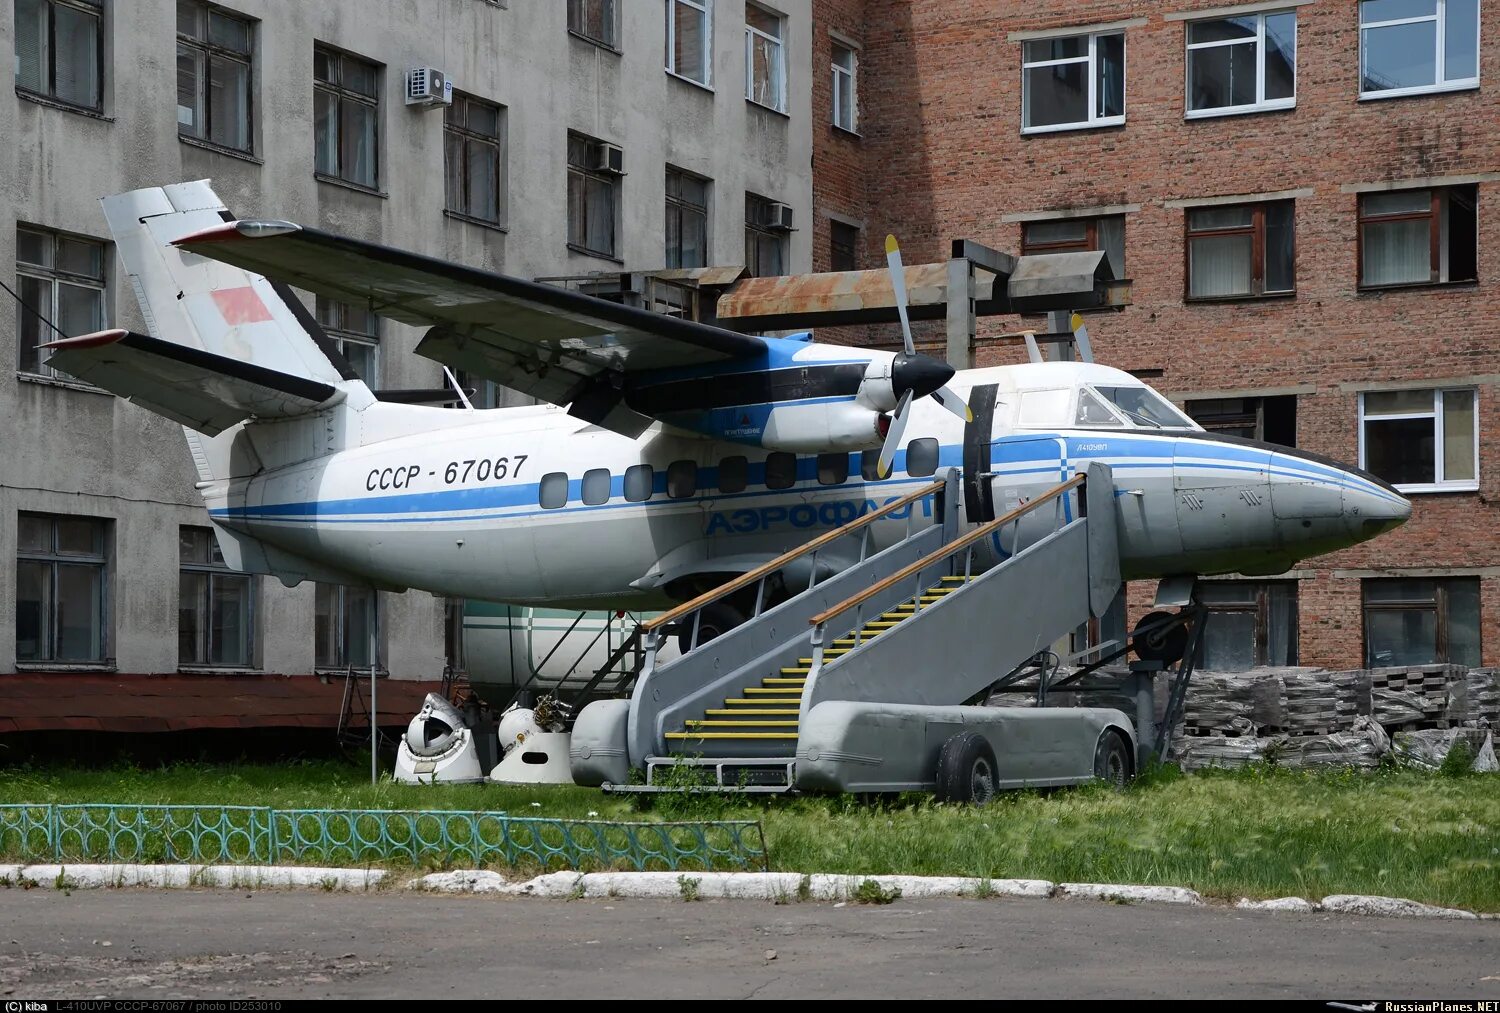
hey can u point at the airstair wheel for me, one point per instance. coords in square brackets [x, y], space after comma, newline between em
[1166, 645]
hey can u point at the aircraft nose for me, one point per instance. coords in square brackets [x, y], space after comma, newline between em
[1371, 510]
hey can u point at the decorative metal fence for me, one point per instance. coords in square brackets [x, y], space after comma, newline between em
[259, 835]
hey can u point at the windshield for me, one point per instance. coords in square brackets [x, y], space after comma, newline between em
[1144, 407]
[1092, 411]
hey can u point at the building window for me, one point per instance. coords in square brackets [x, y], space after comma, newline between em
[343, 620]
[843, 246]
[1242, 64]
[687, 219]
[215, 605]
[1249, 624]
[592, 198]
[1240, 252]
[765, 239]
[346, 117]
[690, 40]
[356, 331]
[213, 75]
[765, 58]
[1407, 47]
[1267, 419]
[455, 655]
[60, 278]
[1068, 235]
[60, 50]
[1421, 440]
[845, 88]
[595, 20]
[1073, 81]
[60, 588]
[474, 155]
[1421, 622]
[1418, 237]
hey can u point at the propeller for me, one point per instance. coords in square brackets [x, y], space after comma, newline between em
[913, 375]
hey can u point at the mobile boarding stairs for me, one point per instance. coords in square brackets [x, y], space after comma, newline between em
[859, 682]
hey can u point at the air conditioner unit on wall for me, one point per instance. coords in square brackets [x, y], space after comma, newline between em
[779, 216]
[428, 86]
[606, 157]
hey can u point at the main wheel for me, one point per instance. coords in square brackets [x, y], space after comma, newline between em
[1166, 645]
[714, 620]
[1112, 760]
[966, 770]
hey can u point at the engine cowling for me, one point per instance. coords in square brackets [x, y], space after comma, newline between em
[859, 424]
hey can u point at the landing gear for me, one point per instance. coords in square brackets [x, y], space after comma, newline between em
[714, 620]
[966, 770]
[1112, 760]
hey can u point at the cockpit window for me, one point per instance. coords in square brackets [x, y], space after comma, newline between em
[1092, 411]
[1044, 408]
[1144, 407]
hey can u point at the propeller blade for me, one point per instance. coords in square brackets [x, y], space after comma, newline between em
[953, 403]
[898, 283]
[893, 436]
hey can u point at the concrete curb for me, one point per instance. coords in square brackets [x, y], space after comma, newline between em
[778, 887]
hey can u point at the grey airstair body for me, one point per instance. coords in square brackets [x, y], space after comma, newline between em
[856, 682]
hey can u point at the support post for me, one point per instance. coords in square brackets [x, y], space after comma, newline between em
[1143, 688]
[1059, 322]
[959, 319]
[374, 664]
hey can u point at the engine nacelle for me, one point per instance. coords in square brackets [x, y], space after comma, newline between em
[820, 428]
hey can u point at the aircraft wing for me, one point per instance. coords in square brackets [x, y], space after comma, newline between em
[561, 346]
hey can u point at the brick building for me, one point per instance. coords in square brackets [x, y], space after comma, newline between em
[1305, 197]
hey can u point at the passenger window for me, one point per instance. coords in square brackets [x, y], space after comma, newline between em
[921, 457]
[734, 474]
[596, 486]
[1092, 411]
[781, 470]
[869, 465]
[833, 469]
[553, 490]
[682, 479]
[639, 478]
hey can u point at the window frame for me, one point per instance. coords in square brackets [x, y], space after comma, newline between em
[756, 231]
[1439, 85]
[680, 206]
[1438, 604]
[705, 8]
[851, 86]
[466, 136]
[215, 570]
[1089, 243]
[53, 276]
[94, 8]
[1438, 441]
[342, 334]
[583, 173]
[835, 248]
[1439, 216]
[1092, 121]
[1257, 603]
[779, 42]
[341, 94]
[1261, 104]
[611, 20]
[52, 558]
[209, 49]
[341, 642]
[1257, 232]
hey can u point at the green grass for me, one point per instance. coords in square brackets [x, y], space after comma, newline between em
[1260, 832]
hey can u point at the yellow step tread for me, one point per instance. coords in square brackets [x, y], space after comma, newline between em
[740, 711]
[803, 670]
[767, 690]
[731, 735]
[792, 701]
[772, 681]
[741, 724]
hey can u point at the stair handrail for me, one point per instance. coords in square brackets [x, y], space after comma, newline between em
[957, 545]
[766, 569]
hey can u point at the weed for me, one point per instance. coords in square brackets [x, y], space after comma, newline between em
[62, 882]
[688, 887]
[984, 887]
[329, 883]
[578, 890]
[870, 891]
[804, 888]
[1460, 760]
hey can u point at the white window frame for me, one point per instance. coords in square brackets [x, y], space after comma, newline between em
[779, 41]
[845, 81]
[706, 9]
[1440, 16]
[1438, 450]
[1092, 74]
[1261, 104]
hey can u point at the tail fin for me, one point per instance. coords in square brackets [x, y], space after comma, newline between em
[213, 307]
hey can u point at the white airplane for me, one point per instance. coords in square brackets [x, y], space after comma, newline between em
[688, 453]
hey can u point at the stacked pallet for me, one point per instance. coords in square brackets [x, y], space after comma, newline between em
[1234, 705]
[1411, 697]
[1482, 697]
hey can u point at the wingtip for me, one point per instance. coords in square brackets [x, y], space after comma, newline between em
[246, 229]
[93, 340]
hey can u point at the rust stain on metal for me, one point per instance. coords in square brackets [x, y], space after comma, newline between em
[832, 292]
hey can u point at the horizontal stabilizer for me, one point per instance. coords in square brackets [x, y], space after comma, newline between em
[199, 389]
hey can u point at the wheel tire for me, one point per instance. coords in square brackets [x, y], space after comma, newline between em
[1112, 762]
[966, 770]
[1167, 646]
[715, 620]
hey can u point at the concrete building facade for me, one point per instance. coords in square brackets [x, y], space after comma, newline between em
[1306, 198]
[299, 111]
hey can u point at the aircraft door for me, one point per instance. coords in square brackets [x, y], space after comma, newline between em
[1023, 468]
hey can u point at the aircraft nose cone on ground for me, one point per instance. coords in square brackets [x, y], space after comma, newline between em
[920, 374]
